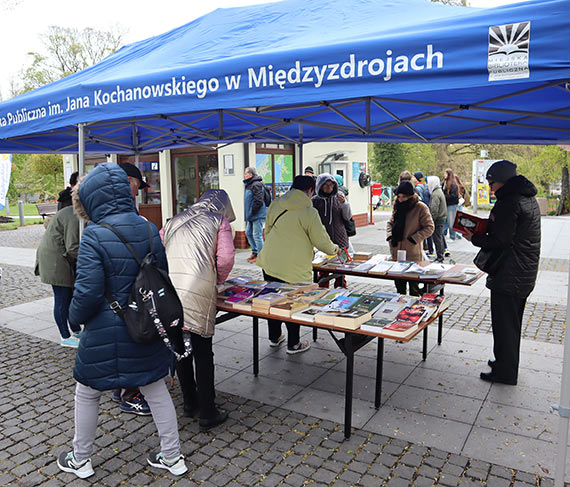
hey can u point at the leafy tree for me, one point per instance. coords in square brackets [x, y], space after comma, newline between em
[50, 169]
[25, 181]
[66, 51]
[388, 160]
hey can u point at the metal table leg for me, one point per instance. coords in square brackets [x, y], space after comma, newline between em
[349, 351]
[379, 363]
[424, 348]
[440, 322]
[255, 346]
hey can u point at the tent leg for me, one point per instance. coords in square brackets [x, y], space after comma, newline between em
[81, 154]
[564, 406]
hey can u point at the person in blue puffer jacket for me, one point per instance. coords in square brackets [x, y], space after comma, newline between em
[107, 358]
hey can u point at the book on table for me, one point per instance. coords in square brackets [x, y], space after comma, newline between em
[386, 295]
[307, 315]
[435, 270]
[381, 268]
[457, 274]
[311, 295]
[287, 308]
[415, 270]
[342, 303]
[368, 303]
[388, 310]
[399, 267]
[432, 298]
[238, 280]
[330, 296]
[264, 301]
[362, 255]
[411, 314]
[400, 329]
[467, 222]
[375, 325]
[246, 294]
[351, 319]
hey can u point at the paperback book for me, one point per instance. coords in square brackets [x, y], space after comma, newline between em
[287, 308]
[399, 329]
[307, 315]
[375, 325]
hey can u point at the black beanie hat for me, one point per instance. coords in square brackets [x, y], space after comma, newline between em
[419, 175]
[405, 187]
[501, 171]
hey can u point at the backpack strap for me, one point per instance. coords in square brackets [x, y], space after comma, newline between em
[280, 215]
[113, 303]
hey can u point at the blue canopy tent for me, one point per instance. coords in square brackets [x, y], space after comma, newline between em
[300, 72]
[297, 71]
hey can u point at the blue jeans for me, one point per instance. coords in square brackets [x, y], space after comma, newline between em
[254, 234]
[451, 212]
[61, 300]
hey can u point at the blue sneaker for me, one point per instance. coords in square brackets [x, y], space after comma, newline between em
[136, 405]
[78, 335]
[70, 342]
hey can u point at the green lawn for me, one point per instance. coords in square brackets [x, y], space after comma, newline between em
[30, 209]
[16, 223]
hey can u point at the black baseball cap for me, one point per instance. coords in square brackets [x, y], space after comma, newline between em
[133, 172]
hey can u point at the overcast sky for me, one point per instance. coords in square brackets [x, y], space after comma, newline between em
[23, 22]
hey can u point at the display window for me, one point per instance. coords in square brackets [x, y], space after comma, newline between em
[193, 175]
[275, 164]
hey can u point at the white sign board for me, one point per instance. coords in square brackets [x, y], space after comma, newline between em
[5, 169]
[480, 192]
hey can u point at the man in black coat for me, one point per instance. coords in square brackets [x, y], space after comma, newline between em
[513, 238]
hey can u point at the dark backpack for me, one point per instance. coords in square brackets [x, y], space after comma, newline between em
[154, 311]
[267, 198]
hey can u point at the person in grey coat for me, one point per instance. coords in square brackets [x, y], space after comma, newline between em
[438, 210]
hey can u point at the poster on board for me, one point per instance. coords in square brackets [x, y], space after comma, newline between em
[480, 188]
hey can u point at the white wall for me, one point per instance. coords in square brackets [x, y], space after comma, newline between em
[315, 153]
[233, 184]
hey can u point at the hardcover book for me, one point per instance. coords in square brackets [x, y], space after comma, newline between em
[466, 221]
[307, 315]
[329, 296]
[411, 314]
[399, 329]
[287, 308]
[375, 325]
[351, 320]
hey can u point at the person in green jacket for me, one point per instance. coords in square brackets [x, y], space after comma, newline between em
[55, 263]
[438, 210]
[292, 228]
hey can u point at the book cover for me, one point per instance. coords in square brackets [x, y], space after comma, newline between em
[368, 303]
[342, 303]
[264, 301]
[432, 298]
[312, 294]
[287, 308]
[435, 269]
[467, 221]
[399, 267]
[326, 317]
[389, 310]
[399, 329]
[364, 267]
[375, 325]
[329, 296]
[231, 291]
[362, 255]
[382, 267]
[411, 314]
[307, 315]
[352, 319]
[386, 295]
[238, 280]
[247, 293]
[457, 274]
[344, 257]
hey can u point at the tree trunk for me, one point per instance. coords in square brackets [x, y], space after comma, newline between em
[564, 203]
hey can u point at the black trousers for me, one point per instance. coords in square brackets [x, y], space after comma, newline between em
[199, 391]
[401, 287]
[506, 319]
[293, 329]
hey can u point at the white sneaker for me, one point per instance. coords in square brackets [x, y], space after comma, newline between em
[279, 341]
[175, 466]
[68, 463]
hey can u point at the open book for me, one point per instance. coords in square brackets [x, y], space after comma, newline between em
[467, 221]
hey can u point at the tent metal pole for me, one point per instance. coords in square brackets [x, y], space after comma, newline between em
[300, 146]
[81, 150]
[564, 407]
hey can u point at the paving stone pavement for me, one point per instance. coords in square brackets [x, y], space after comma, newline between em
[259, 444]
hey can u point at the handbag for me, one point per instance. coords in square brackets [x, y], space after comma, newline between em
[489, 261]
[350, 227]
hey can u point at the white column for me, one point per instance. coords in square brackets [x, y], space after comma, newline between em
[166, 196]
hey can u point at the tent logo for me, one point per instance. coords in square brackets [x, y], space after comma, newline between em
[508, 51]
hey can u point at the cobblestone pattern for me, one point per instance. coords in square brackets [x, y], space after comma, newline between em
[258, 445]
[19, 285]
[541, 322]
[27, 237]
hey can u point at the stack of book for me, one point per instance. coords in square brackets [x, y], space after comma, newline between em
[400, 317]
